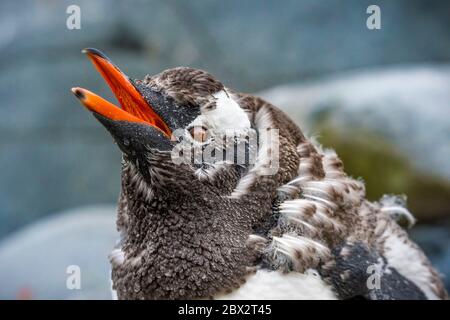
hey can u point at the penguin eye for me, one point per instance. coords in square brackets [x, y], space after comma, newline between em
[199, 133]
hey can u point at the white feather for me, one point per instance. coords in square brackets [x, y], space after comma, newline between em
[275, 285]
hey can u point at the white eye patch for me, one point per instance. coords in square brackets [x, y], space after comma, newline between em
[227, 114]
[225, 118]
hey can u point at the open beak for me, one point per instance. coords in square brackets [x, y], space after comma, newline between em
[135, 108]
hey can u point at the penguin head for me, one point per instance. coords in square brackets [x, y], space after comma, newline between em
[182, 117]
[196, 179]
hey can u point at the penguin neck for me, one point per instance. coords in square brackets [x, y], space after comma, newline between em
[183, 200]
[156, 192]
[195, 233]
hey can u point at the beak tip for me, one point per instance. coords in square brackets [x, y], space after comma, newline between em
[94, 52]
[78, 93]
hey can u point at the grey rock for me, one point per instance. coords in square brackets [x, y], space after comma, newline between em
[34, 260]
[408, 105]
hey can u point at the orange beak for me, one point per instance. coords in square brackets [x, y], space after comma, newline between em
[134, 107]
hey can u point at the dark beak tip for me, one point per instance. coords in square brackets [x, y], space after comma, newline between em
[95, 52]
[78, 93]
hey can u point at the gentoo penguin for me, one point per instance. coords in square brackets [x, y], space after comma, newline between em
[288, 225]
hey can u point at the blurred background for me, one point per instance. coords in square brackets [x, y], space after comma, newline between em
[381, 98]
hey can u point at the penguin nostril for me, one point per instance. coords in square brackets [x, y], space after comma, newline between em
[199, 133]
